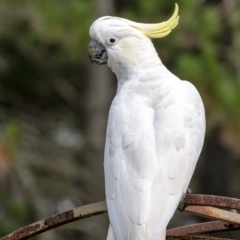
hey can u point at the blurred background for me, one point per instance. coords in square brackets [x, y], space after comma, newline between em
[54, 103]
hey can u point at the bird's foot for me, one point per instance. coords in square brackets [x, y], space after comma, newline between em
[181, 205]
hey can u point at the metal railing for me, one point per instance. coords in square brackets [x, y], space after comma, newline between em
[222, 209]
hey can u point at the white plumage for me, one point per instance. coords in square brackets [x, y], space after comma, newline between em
[155, 132]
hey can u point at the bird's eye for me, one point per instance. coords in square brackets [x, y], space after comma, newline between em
[112, 40]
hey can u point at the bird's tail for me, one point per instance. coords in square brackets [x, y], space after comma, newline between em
[110, 235]
[163, 236]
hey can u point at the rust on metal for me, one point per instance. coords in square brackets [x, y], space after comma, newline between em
[57, 220]
[23, 232]
[195, 237]
[214, 213]
[202, 228]
[210, 200]
[203, 205]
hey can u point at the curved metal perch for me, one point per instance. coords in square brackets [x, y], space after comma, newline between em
[57, 220]
[203, 205]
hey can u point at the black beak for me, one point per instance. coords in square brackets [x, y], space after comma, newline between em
[97, 53]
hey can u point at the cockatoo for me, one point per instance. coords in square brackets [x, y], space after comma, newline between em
[155, 131]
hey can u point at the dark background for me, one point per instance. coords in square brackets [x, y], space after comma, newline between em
[54, 103]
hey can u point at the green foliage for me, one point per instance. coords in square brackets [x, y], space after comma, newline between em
[13, 131]
[66, 22]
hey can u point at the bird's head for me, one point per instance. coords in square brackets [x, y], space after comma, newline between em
[117, 41]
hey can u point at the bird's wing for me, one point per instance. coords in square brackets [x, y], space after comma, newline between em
[151, 151]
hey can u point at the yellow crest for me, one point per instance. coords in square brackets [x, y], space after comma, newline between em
[158, 30]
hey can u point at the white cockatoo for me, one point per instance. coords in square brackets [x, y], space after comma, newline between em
[155, 131]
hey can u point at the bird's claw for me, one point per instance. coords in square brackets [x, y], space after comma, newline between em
[181, 205]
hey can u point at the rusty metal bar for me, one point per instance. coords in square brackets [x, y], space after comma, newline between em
[214, 213]
[194, 237]
[195, 204]
[57, 220]
[202, 228]
[210, 200]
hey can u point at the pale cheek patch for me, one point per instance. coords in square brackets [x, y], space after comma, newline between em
[127, 48]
